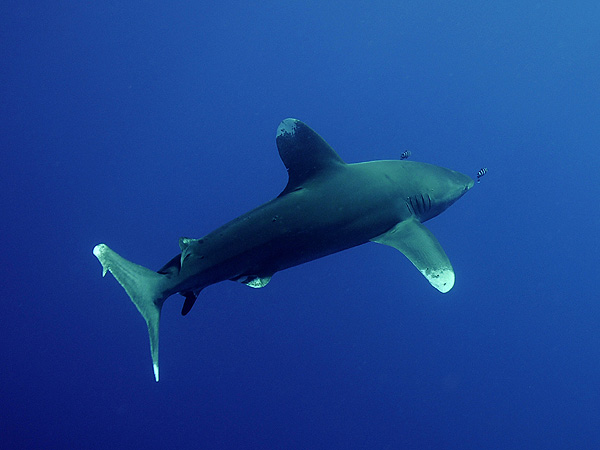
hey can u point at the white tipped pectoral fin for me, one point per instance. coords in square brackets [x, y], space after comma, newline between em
[441, 279]
[422, 248]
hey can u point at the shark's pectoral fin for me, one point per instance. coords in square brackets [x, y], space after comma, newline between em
[421, 247]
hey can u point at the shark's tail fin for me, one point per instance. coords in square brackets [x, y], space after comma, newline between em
[145, 288]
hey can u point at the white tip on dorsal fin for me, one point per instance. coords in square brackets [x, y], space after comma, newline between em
[304, 153]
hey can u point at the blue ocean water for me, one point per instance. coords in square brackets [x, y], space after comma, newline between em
[136, 123]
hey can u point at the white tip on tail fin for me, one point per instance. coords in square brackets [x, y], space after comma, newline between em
[145, 288]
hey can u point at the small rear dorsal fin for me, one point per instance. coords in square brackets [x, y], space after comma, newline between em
[304, 153]
[184, 243]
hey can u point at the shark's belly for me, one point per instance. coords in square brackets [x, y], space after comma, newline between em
[286, 232]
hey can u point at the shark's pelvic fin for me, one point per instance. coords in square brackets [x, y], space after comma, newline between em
[304, 153]
[254, 281]
[421, 247]
[145, 288]
[257, 282]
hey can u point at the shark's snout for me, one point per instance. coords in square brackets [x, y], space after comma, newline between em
[463, 183]
[470, 184]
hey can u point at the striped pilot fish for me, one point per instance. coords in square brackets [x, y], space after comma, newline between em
[481, 173]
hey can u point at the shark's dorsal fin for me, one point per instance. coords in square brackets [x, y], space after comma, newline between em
[304, 153]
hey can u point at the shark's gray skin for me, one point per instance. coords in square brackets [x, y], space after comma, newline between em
[327, 206]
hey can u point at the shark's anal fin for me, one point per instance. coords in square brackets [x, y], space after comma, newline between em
[190, 299]
[421, 247]
[144, 287]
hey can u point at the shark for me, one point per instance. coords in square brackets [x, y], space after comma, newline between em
[327, 206]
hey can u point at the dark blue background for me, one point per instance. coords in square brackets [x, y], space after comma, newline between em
[135, 123]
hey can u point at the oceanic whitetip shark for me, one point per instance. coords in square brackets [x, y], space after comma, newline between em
[327, 206]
